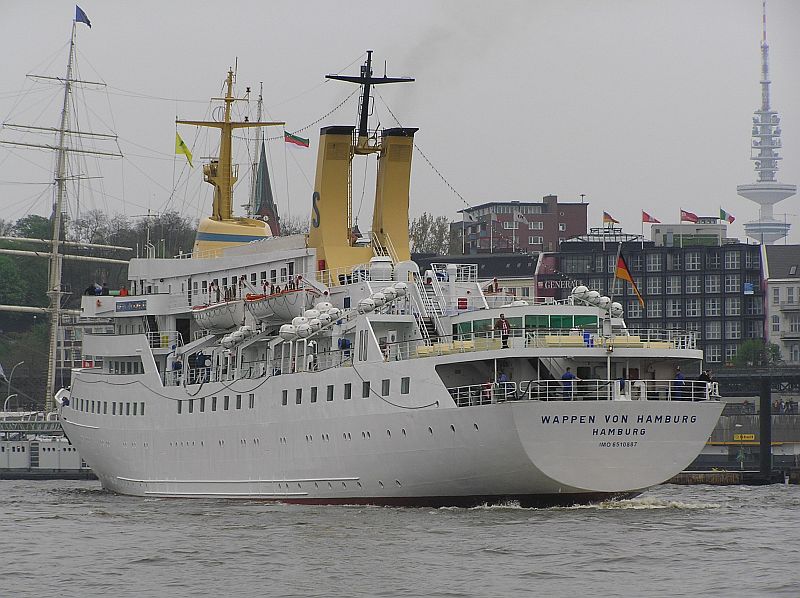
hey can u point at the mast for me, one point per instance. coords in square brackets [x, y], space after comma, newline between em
[252, 208]
[54, 281]
[220, 172]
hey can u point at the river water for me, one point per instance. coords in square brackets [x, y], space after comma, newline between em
[68, 538]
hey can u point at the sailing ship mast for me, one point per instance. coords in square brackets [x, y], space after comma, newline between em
[252, 208]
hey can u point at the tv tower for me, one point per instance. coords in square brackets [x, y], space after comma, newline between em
[766, 191]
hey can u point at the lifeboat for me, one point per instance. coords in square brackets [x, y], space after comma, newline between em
[281, 306]
[219, 316]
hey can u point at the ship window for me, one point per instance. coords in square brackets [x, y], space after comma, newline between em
[225, 281]
[585, 320]
[180, 407]
[285, 399]
[134, 408]
[226, 402]
[330, 392]
[141, 408]
[238, 401]
[263, 276]
[191, 405]
[348, 391]
[561, 322]
[105, 407]
[202, 405]
[313, 394]
[346, 303]
[385, 388]
[213, 403]
[298, 396]
[114, 408]
[252, 400]
[273, 276]
[365, 389]
[404, 385]
[253, 276]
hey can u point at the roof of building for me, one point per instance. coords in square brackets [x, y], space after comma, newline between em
[783, 261]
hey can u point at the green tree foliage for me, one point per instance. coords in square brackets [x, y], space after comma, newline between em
[33, 227]
[429, 234]
[755, 352]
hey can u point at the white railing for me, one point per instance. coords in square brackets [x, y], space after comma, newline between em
[583, 390]
[164, 339]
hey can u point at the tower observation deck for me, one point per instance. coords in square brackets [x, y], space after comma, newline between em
[766, 141]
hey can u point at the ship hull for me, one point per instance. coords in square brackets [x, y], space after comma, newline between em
[537, 453]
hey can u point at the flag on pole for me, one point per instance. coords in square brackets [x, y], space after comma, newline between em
[520, 217]
[294, 139]
[688, 216]
[80, 16]
[649, 219]
[726, 216]
[623, 273]
[468, 217]
[609, 219]
[180, 148]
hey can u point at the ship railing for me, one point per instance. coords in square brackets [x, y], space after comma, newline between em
[491, 392]
[164, 339]
[191, 376]
[309, 361]
[341, 276]
[544, 338]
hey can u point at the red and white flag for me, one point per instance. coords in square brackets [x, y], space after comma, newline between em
[648, 218]
[688, 217]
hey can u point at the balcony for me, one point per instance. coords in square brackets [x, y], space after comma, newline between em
[789, 306]
[790, 335]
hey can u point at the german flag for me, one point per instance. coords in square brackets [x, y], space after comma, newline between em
[609, 219]
[623, 272]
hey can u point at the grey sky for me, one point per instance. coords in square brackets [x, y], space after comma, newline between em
[638, 104]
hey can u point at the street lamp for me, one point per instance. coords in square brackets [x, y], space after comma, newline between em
[5, 403]
[8, 392]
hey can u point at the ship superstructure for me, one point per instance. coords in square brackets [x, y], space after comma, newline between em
[321, 370]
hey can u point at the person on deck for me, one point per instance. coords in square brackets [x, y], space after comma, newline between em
[679, 385]
[505, 329]
[568, 380]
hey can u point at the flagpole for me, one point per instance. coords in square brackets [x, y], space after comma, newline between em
[642, 233]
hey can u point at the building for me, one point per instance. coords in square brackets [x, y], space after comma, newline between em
[766, 141]
[713, 290]
[782, 274]
[519, 227]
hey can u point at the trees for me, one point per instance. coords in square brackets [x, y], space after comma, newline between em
[755, 352]
[429, 234]
[293, 225]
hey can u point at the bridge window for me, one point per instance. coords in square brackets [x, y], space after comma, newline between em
[134, 408]
[141, 408]
[114, 408]
[202, 405]
[298, 396]
[313, 394]
[191, 405]
[253, 400]
[180, 407]
[330, 392]
[226, 402]
[365, 389]
[285, 397]
[385, 388]
[238, 401]
[348, 391]
[405, 382]
[213, 403]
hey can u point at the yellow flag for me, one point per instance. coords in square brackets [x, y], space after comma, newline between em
[180, 148]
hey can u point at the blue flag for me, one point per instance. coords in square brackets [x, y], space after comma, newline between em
[80, 16]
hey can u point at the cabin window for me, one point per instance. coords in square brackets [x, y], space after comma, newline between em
[561, 321]
[365, 389]
[298, 396]
[252, 400]
[225, 281]
[263, 276]
[191, 405]
[114, 408]
[226, 402]
[202, 405]
[134, 408]
[405, 383]
[273, 276]
[105, 407]
[253, 278]
[92, 407]
[586, 321]
[141, 408]
[385, 388]
[330, 392]
[285, 399]
[180, 407]
[313, 394]
[348, 391]
[213, 403]
[482, 326]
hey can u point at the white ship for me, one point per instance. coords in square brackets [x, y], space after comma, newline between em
[393, 387]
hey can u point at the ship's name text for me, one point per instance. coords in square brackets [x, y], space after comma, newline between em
[619, 419]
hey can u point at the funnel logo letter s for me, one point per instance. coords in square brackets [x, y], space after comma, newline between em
[315, 218]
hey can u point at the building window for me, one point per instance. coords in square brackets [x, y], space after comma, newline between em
[692, 327]
[752, 260]
[693, 308]
[536, 226]
[654, 308]
[634, 309]
[789, 294]
[713, 353]
[635, 262]
[348, 391]
[653, 285]
[535, 240]
[755, 329]
[654, 262]
[712, 259]
[713, 330]
[692, 284]
[674, 308]
[692, 260]
[730, 352]
[385, 388]
[712, 283]
[713, 307]
[733, 329]
[733, 306]
[405, 383]
[733, 283]
[562, 227]
[776, 323]
[794, 353]
[329, 395]
[673, 286]
[365, 389]
[776, 295]
[510, 225]
[732, 260]
[794, 324]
